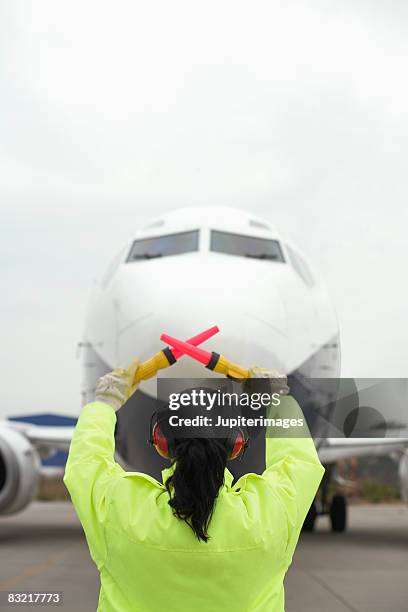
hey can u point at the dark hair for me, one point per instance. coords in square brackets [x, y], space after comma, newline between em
[195, 483]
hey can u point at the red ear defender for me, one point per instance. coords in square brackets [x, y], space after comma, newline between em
[239, 445]
[163, 443]
[159, 442]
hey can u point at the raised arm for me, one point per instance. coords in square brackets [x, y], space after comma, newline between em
[293, 469]
[91, 469]
[292, 463]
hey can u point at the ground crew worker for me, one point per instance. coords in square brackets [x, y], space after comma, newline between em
[194, 542]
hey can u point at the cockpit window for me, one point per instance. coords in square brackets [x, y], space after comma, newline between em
[246, 246]
[162, 246]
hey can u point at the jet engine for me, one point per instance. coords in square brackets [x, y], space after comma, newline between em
[19, 471]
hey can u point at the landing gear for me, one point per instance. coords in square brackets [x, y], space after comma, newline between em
[335, 507]
[338, 513]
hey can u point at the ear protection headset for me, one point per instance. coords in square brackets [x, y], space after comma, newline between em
[164, 443]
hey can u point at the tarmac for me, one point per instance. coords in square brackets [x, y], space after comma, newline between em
[365, 569]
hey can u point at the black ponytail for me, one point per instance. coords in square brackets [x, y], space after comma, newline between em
[196, 481]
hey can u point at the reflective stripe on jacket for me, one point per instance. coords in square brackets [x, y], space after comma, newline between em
[150, 561]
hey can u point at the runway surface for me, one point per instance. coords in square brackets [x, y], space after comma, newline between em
[365, 569]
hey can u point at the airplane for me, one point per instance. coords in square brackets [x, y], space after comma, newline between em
[182, 272]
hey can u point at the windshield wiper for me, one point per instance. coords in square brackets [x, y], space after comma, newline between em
[261, 256]
[147, 255]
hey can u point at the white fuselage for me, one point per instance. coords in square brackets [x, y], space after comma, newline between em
[273, 313]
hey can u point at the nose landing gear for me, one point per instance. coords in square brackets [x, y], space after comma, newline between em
[336, 508]
[338, 513]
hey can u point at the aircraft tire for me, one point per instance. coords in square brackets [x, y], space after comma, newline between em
[338, 513]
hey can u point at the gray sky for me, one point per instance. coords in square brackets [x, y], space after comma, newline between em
[113, 112]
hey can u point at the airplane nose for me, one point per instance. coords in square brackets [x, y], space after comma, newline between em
[186, 300]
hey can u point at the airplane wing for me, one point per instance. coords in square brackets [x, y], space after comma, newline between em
[334, 449]
[44, 436]
[50, 437]
[330, 450]
[46, 439]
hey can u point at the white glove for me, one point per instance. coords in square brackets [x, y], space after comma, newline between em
[279, 382]
[117, 386]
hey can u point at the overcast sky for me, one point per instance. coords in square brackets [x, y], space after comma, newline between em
[113, 112]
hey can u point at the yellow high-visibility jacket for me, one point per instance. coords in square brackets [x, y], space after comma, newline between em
[151, 561]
